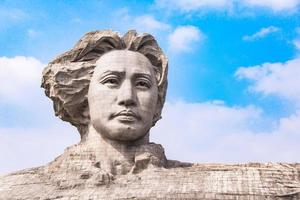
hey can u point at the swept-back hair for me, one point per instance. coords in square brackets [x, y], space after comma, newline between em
[66, 79]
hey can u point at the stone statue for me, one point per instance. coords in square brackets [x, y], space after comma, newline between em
[112, 89]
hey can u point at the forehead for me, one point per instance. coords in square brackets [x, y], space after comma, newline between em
[120, 60]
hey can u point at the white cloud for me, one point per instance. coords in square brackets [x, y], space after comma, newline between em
[275, 5]
[22, 148]
[280, 79]
[183, 38]
[227, 5]
[22, 144]
[150, 23]
[261, 33]
[208, 132]
[122, 20]
[215, 132]
[190, 5]
[20, 79]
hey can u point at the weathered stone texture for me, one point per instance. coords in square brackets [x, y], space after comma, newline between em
[77, 175]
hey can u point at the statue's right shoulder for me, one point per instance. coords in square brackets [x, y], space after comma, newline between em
[21, 183]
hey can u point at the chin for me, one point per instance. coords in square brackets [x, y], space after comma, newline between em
[120, 131]
[126, 133]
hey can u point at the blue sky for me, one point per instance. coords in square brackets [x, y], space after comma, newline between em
[234, 69]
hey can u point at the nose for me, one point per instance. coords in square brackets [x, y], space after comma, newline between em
[127, 96]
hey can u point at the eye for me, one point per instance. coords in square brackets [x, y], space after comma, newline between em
[110, 81]
[143, 84]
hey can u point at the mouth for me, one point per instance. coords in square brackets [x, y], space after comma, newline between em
[127, 116]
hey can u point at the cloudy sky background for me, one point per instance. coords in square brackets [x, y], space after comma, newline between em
[234, 76]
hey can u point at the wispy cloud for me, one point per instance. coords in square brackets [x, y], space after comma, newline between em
[183, 38]
[12, 14]
[77, 20]
[192, 5]
[277, 6]
[261, 33]
[31, 33]
[280, 79]
[123, 20]
[149, 22]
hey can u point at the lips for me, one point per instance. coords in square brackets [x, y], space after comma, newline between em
[127, 116]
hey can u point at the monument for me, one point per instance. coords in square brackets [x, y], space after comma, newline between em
[112, 89]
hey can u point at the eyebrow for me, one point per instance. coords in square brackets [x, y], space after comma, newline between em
[111, 72]
[148, 76]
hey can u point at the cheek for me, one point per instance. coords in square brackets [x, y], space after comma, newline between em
[100, 102]
[148, 101]
[102, 97]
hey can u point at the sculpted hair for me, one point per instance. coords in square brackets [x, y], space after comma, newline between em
[66, 79]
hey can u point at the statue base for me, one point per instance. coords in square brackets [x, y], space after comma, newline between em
[77, 175]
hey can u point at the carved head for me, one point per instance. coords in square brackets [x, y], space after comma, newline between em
[114, 83]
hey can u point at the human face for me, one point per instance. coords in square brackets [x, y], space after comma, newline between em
[123, 95]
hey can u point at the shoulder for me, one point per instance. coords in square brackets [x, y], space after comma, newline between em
[22, 184]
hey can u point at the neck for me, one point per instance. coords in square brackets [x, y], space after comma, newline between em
[116, 157]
